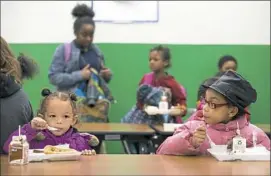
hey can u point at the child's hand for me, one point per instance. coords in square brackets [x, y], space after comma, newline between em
[94, 141]
[105, 72]
[85, 72]
[88, 152]
[174, 111]
[38, 123]
[199, 136]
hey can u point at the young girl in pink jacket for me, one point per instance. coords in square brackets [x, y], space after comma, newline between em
[223, 114]
[200, 103]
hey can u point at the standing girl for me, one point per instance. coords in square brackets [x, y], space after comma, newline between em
[75, 63]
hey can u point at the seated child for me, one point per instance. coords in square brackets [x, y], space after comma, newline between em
[151, 88]
[159, 62]
[200, 103]
[223, 112]
[58, 110]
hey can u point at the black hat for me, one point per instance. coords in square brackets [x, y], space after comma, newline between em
[236, 89]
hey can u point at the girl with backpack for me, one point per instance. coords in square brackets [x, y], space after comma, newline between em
[79, 67]
[151, 88]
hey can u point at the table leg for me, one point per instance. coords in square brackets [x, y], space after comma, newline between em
[125, 146]
[152, 149]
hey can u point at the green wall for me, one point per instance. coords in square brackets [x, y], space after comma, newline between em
[191, 65]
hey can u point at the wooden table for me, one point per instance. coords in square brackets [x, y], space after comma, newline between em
[138, 165]
[115, 128]
[120, 131]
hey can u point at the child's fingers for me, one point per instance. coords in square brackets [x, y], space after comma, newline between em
[88, 152]
[40, 124]
[105, 70]
[93, 152]
[84, 152]
[201, 128]
[201, 132]
[200, 140]
[196, 142]
[38, 120]
[35, 121]
[199, 136]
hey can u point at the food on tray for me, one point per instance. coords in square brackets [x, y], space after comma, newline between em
[49, 149]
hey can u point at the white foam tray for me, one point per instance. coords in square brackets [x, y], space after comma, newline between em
[251, 154]
[34, 157]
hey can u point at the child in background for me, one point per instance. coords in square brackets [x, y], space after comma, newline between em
[223, 112]
[225, 63]
[159, 61]
[200, 102]
[156, 83]
[58, 110]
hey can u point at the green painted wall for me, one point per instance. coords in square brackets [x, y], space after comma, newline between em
[191, 65]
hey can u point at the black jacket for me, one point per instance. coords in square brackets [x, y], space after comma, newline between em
[15, 108]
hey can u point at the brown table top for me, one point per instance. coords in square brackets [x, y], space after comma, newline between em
[160, 128]
[115, 128]
[138, 165]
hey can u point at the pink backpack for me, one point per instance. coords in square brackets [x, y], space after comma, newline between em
[67, 51]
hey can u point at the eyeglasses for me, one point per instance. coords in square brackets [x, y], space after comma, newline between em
[213, 105]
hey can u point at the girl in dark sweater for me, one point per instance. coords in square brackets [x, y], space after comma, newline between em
[15, 106]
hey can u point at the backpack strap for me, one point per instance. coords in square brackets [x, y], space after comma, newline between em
[148, 78]
[97, 50]
[99, 53]
[67, 51]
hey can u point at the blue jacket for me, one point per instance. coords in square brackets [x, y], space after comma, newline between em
[66, 76]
